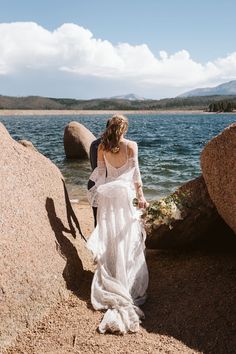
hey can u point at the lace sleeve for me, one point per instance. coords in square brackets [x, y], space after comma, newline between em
[98, 176]
[133, 163]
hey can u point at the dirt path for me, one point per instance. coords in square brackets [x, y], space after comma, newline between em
[190, 309]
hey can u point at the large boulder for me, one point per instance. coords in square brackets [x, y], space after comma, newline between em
[77, 140]
[218, 163]
[186, 218]
[38, 241]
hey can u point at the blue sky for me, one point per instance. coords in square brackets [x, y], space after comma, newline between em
[158, 40]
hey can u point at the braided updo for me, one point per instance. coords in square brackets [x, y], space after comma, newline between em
[118, 125]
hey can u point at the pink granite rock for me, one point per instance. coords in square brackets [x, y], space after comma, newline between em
[39, 260]
[218, 163]
[27, 144]
[77, 140]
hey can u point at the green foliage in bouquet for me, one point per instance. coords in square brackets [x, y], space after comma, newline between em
[166, 210]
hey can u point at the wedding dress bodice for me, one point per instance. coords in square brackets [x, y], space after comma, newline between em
[131, 162]
[114, 172]
[106, 172]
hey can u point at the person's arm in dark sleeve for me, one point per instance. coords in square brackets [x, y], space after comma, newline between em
[93, 153]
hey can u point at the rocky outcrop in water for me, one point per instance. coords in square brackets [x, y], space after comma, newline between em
[77, 140]
[200, 222]
[39, 234]
[218, 162]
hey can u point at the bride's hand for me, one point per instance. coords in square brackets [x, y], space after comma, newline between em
[142, 203]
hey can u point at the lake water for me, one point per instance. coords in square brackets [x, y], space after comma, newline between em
[169, 145]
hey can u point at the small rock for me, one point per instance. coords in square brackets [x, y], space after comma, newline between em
[28, 144]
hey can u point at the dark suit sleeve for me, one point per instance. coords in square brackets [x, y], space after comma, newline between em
[93, 153]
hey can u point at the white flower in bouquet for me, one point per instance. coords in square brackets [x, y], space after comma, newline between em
[165, 211]
[176, 213]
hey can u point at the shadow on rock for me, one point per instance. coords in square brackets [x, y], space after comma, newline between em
[73, 270]
[71, 215]
[192, 298]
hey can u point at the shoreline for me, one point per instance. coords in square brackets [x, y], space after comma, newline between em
[43, 112]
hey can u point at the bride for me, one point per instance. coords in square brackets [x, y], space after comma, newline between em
[117, 243]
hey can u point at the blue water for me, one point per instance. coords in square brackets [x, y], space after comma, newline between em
[169, 145]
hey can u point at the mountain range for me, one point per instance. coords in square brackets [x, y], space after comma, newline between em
[198, 99]
[225, 89]
[130, 97]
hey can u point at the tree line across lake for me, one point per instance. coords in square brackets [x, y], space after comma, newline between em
[222, 106]
[204, 103]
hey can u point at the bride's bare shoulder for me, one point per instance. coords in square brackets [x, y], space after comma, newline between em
[100, 147]
[131, 143]
[100, 152]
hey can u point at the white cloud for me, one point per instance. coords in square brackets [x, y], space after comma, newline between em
[26, 46]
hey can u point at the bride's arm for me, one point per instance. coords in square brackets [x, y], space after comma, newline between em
[133, 156]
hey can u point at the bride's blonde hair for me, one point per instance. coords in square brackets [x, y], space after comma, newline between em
[110, 140]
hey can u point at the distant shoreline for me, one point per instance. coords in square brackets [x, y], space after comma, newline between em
[48, 112]
[38, 112]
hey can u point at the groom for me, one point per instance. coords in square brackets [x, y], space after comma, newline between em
[93, 155]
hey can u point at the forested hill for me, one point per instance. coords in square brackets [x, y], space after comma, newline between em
[178, 103]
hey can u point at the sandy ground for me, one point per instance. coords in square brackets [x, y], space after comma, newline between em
[29, 112]
[190, 308]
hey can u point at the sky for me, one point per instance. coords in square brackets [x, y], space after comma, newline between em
[101, 48]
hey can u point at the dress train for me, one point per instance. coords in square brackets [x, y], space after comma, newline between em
[117, 243]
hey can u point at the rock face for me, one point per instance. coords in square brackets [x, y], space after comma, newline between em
[77, 140]
[27, 144]
[218, 162]
[39, 232]
[200, 223]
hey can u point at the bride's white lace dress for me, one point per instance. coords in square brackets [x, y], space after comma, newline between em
[121, 278]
